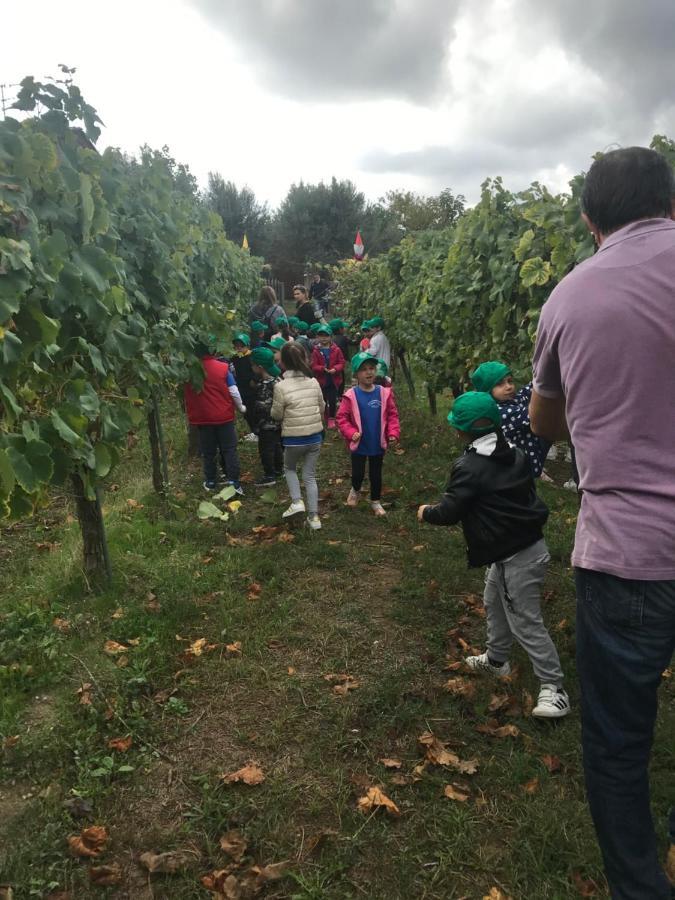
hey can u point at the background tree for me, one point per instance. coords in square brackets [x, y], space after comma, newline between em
[241, 213]
[412, 212]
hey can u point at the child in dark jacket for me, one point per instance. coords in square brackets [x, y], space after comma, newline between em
[243, 372]
[491, 492]
[495, 378]
[268, 429]
[328, 364]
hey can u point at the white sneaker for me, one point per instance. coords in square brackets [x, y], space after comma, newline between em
[377, 508]
[552, 703]
[552, 453]
[253, 438]
[546, 477]
[297, 506]
[570, 485]
[481, 663]
[353, 497]
[314, 522]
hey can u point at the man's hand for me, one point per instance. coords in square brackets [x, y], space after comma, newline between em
[420, 512]
[392, 440]
[243, 409]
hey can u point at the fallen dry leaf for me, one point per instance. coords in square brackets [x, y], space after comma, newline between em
[496, 894]
[112, 648]
[400, 779]
[10, 741]
[196, 648]
[290, 670]
[347, 686]
[222, 884]
[454, 792]
[62, 625]
[134, 504]
[670, 864]
[460, 687]
[439, 755]
[120, 744]
[105, 876]
[333, 543]
[233, 649]
[248, 774]
[552, 763]
[285, 537]
[585, 887]
[90, 842]
[418, 547]
[254, 591]
[499, 701]
[494, 729]
[531, 786]
[391, 763]
[453, 666]
[167, 863]
[122, 662]
[84, 693]
[233, 844]
[376, 799]
[152, 604]
[667, 673]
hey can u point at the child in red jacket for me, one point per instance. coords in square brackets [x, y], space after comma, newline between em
[211, 409]
[327, 365]
[368, 420]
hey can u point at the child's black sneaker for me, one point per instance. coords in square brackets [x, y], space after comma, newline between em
[265, 481]
[210, 485]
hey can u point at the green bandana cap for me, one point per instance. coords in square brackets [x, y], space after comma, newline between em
[360, 359]
[258, 326]
[301, 326]
[293, 321]
[365, 325]
[242, 339]
[488, 374]
[470, 407]
[278, 342]
[263, 356]
[314, 328]
[376, 322]
[336, 324]
[324, 329]
[282, 320]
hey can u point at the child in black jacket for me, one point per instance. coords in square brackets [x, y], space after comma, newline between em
[268, 429]
[491, 492]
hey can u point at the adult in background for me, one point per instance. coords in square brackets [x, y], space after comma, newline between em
[318, 294]
[303, 308]
[266, 310]
[379, 342]
[604, 365]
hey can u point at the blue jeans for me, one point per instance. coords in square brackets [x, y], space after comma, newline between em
[625, 639]
[214, 439]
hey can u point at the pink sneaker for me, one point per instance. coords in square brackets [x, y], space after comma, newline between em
[353, 497]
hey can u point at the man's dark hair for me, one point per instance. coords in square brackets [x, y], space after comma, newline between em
[301, 288]
[626, 185]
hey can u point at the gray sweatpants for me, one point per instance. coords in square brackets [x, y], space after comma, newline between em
[513, 610]
[308, 455]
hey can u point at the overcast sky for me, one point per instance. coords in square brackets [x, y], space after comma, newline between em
[414, 94]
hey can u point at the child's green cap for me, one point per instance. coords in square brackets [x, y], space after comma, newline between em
[376, 322]
[488, 374]
[258, 326]
[324, 329]
[242, 339]
[301, 326]
[314, 328]
[336, 324]
[365, 325]
[360, 359]
[278, 342]
[281, 321]
[263, 356]
[293, 320]
[472, 407]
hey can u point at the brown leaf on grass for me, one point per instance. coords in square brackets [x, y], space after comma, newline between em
[90, 842]
[376, 799]
[455, 792]
[134, 504]
[552, 763]
[10, 741]
[418, 547]
[112, 648]
[233, 649]
[205, 560]
[453, 666]
[152, 604]
[389, 763]
[562, 625]
[105, 876]
[585, 887]
[222, 884]
[84, 693]
[47, 545]
[467, 766]
[528, 703]
[197, 647]
[315, 841]
[494, 729]
[439, 755]
[333, 543]
[134, 642]
[291, 671]
[399, 451]
[667, 673]
[400, 779]
[346, 686]
[285, 537]
[118, 614]
[254, 591]
[167, 863]
[265, 532]
[498, 701]
[460, 687]
[670, 864]
[233, 844]
[248, 774]
[122, 662]
[496, 894]
[120, 744]
[531, 786]
[62, 625]
[339, 678]
[257, 876]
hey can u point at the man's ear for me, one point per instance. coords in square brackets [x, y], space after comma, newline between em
[594, 231]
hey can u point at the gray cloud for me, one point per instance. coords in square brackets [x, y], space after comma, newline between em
[346, 50]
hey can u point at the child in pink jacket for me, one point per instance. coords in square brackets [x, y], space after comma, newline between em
[368, 421]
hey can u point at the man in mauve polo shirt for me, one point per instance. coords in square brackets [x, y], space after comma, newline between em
[604, 367]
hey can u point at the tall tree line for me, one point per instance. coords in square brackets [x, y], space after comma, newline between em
[315, 224]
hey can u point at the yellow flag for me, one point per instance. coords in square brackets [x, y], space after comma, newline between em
[244, 243]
